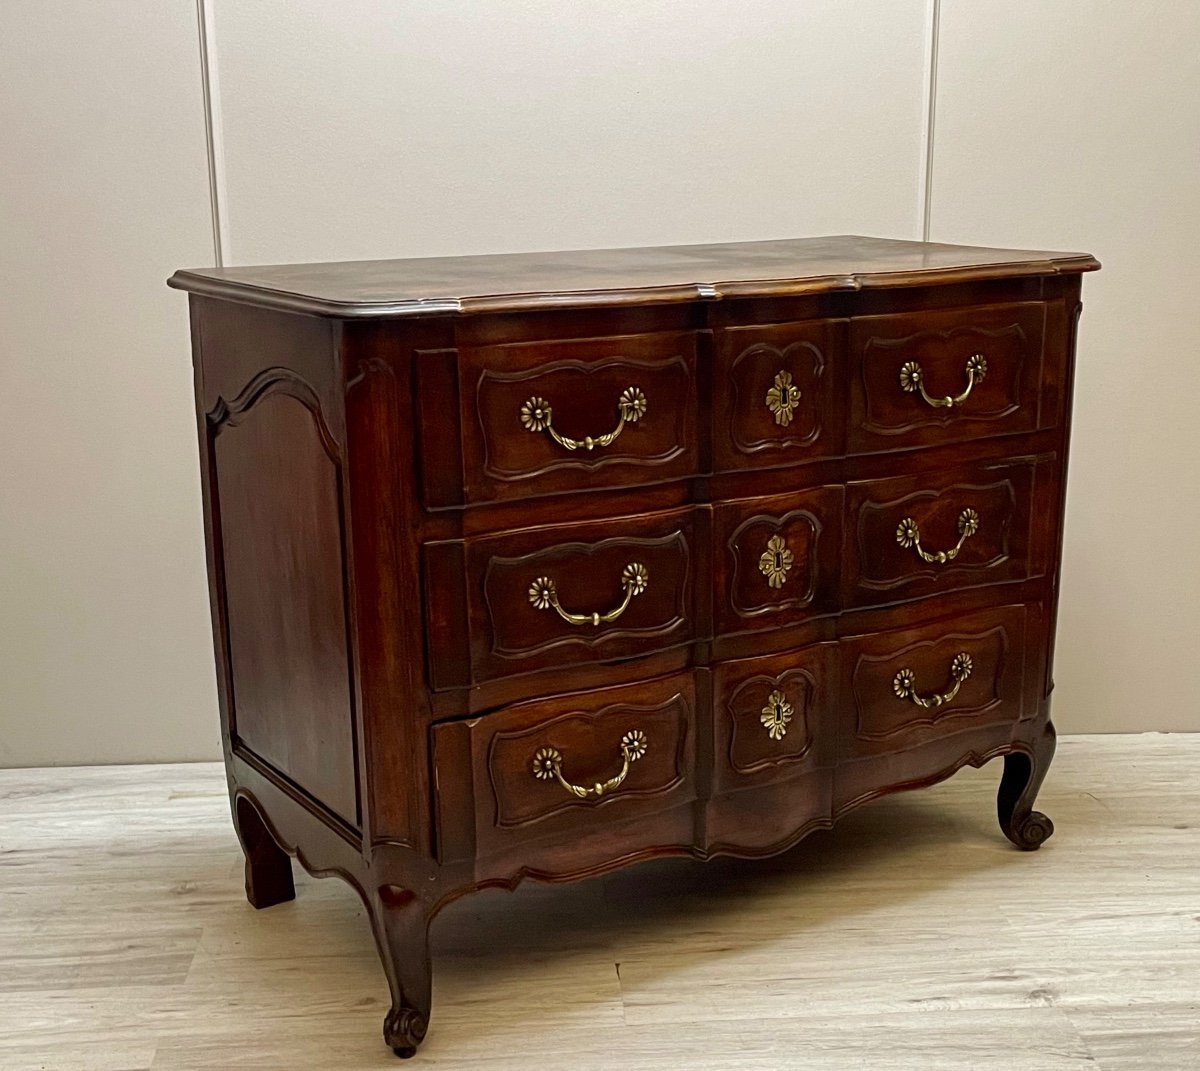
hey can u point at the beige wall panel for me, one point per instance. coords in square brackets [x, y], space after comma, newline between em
[370, 129]
[1077, 125]
[105, 647]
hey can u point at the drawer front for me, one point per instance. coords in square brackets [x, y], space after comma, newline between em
[776, 560]
[912, 686]
[570, 767]
[771, 716]
[918, 535]
[560, 595]
[945, 376]
[774, 401]
[568, 415]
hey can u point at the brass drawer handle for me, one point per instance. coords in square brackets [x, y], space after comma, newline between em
[909, 535]
[913, 379]
[905, 683]
[543, 595]
[537, 414]
[547, 764]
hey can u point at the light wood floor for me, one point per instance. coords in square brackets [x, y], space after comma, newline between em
[911, 937]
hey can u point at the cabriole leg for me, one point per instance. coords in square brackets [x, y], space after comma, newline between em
[401, 923]
[1023, 776]
[268, 866]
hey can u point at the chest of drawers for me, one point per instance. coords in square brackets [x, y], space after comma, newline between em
[537, 565]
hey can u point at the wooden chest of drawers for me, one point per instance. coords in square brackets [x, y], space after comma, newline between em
[539, 565]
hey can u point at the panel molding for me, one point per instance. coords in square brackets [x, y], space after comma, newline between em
[785, 355]
[676, 540]
[586, 462]
[933, 20]
[936, 715]
[918, 569]
[800, 719]
[227, 413]
[777, 524]
[213, 132]
[542, 731]
[928, 417]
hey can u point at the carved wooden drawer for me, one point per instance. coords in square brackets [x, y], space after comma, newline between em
[773, 400]
[910, 686]
[776, 560]
[772, 716]
[571, 767]
[573, 414]
[923, 378]
[558, 595]
[917, 535]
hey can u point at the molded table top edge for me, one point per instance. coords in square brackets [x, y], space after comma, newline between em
[515, 282]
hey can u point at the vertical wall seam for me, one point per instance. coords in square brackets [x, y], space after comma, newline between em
[212, 130]
[931, 78]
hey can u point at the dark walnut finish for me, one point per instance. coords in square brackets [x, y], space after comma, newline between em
[543, 564]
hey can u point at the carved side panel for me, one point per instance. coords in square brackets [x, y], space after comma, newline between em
[277, 501]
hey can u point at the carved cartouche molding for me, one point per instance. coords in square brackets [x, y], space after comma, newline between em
[228, 413]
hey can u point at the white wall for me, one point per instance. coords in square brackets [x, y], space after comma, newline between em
[367, 129]
[105, 646]
[1076, 124]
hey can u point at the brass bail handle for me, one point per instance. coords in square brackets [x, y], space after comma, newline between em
[908, 534]
[543, 595]
[537, 414]
[904, 684]
[912, 379]
[547, 765]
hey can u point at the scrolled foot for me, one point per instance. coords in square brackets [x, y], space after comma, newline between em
[1024, 772]
[1030, 834]
[401, 922]
[403, 1030]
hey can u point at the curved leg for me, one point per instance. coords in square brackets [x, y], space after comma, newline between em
[268, 866]
[401, 923]
[1023, 776]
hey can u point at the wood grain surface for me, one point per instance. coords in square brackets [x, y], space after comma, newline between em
[507, 282]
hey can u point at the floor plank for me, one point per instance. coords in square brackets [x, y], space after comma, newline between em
[912, 937]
